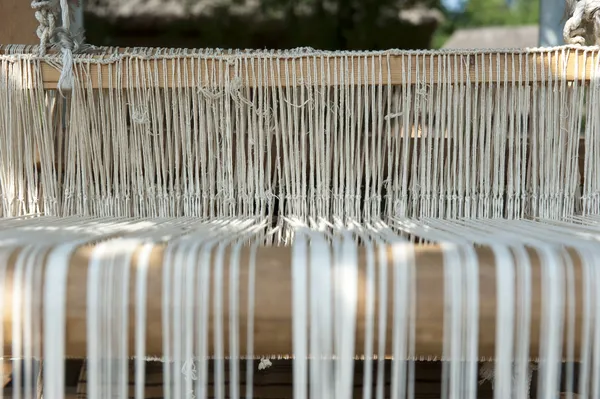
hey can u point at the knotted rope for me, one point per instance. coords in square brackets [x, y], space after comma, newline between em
[46, 16]
[583, 25]
[66, 44]
[61, 37]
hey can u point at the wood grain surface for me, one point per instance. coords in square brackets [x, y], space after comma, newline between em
[273, 305]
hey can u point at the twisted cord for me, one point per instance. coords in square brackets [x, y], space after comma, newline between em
[584, 23]
[66, 43]
[45, 13]
[61, 37]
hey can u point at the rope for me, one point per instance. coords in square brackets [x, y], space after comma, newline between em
[61, 37]
[46, 16]
[67, 45]
[583, 24]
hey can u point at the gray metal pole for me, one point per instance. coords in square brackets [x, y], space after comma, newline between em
[78, 17]
[551, 24]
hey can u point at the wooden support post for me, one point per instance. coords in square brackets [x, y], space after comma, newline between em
[17, 22]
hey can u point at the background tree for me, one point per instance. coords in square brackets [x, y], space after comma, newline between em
[276, 24]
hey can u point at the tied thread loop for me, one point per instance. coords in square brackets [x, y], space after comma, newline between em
[67, 46]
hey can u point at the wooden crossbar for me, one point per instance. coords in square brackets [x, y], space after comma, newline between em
[273, 302]
[125, 69]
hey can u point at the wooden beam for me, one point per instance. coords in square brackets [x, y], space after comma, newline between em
[123, 68]
[17, 22]
[277, 381]
[273, 303]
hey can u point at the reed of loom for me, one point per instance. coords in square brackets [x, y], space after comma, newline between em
[179, 139]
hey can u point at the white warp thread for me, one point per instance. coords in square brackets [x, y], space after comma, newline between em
[328, 302]
[325, 152]
[438, 159]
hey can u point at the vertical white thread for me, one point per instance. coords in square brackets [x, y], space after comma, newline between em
[140, 319]
[300, 315]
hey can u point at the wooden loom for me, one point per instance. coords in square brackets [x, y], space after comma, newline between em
[273, 331]
[273, 315]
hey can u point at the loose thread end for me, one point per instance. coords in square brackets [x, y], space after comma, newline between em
[65, 81]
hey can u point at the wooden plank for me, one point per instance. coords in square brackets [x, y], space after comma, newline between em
[125, 68]
[273, 307]
[276, 382]
[17, 22]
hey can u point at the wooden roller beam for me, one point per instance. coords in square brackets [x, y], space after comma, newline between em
[273, 311]
[473, 67]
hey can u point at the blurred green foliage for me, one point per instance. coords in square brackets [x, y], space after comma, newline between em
[478, 13]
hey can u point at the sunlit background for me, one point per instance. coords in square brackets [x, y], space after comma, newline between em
[323, 24]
